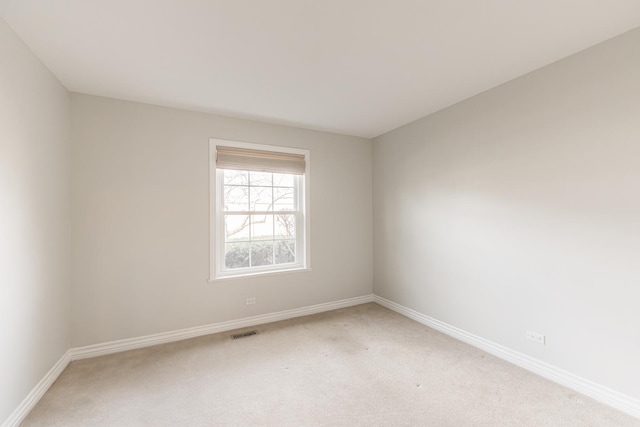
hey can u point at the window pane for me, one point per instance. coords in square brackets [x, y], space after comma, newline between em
[261, 253]
[261, 227]
[282, 180]
[261, 178]
[285, 227]
[236, 198]
[285, 251]
[232, 177]
[256, 218]
[236, 228]
[283, 199]
[261, 198]
[236, 255]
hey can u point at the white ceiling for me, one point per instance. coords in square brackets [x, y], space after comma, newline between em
[358, 67]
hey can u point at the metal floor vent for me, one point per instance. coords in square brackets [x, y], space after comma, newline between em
[244, 334]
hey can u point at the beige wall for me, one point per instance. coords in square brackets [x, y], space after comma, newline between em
[141, 221]
[34, 221]
[519, 209]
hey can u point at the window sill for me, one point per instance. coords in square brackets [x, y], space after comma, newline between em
[259, 274]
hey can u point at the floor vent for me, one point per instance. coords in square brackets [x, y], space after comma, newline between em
[243, 335]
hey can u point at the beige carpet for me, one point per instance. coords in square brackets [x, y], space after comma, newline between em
[360, 366]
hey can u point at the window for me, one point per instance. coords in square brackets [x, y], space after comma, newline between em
[259, 202]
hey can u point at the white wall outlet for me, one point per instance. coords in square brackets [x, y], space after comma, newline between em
[251, 301]
[536, 337]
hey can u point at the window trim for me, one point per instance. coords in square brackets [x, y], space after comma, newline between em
[216, 252]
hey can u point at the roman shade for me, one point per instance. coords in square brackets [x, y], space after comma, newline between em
[259, 160]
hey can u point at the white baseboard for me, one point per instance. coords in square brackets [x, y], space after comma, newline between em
[165, 337]
[21, 412]
[596, 391]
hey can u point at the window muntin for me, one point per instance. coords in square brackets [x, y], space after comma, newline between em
[260, 216]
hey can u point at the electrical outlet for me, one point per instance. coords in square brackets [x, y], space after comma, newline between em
[536, 337]
[251, 301]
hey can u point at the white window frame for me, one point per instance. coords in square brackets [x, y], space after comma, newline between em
[216, 217]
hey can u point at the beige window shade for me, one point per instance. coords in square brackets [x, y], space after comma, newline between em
[258, 160]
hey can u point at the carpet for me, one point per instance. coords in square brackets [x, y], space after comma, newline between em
[358, 366]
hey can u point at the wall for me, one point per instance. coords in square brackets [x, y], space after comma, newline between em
[141, 221]
[34, 221]
[519, 209]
